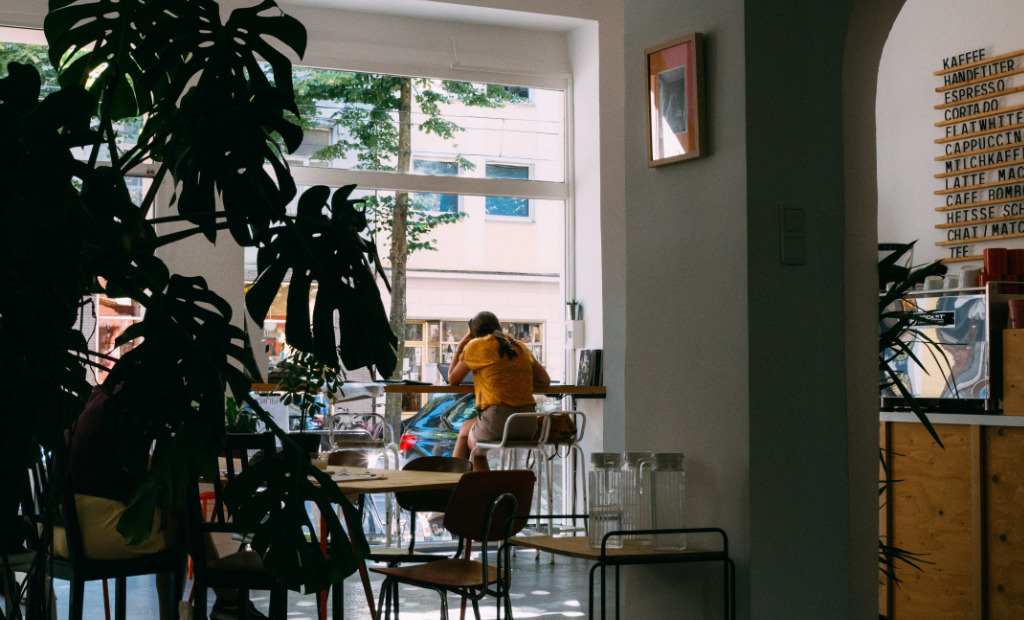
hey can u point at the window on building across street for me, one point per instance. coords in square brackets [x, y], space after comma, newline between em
[520, 92]
[436, 203]
[508, 206]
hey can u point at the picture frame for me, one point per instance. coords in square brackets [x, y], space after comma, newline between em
[675, 100]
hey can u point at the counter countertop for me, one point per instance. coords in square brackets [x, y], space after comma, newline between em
[969, 419]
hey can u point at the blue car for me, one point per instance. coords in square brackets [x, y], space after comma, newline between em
[435, 427]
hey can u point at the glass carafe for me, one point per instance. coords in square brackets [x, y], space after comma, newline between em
[636, 496]
[668, 490]
[605, 498]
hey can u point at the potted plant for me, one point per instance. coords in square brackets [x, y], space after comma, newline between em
[217, 117]
[899, 322]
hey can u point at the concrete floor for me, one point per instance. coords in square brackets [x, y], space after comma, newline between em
[540, 590]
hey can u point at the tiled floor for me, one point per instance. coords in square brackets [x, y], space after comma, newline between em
[540, 590]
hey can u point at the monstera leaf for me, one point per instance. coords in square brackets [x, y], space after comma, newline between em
[323, 246]
[270, 513]
[213, 116]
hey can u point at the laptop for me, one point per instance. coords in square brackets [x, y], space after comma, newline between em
[443, 369]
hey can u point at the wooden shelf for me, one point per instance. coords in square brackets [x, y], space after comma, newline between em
[592, 391]
[579, 391]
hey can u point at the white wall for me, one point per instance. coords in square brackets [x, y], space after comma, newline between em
[925, 32]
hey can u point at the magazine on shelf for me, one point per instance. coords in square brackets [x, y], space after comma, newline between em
[589, 372]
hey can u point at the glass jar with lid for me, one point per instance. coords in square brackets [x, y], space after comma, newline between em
[605, 499]
[668, 491]
[636, 495]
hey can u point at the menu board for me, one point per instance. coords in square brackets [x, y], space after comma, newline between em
[981, 169]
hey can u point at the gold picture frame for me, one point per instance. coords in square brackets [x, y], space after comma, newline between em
[675, 100]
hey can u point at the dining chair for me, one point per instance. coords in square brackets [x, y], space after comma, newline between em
[242, 570]
[480, 510]
[416, 502]
[77, 568]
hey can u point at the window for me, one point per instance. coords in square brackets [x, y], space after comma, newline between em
[430, 342]
[436, 203]
[520, 92]
[502, 166]
[507, 206]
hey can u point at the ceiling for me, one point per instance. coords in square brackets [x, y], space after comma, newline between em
[432, 9]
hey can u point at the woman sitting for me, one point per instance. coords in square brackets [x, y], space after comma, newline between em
[505, 374]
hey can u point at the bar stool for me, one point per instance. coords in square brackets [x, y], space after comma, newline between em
[573, 448]
[534, 446]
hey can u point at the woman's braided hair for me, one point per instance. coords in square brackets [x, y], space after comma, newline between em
[487, 324]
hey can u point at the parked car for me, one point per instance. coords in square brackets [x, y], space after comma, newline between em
[432, 431]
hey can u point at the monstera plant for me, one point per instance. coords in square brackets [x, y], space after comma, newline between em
[218, 118]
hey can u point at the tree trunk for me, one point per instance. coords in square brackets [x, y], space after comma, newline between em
[400, 253]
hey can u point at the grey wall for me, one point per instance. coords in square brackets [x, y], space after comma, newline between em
[800, 443]
[734, 358]
[686, 356]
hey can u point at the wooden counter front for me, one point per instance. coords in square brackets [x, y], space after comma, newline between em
[962, 508]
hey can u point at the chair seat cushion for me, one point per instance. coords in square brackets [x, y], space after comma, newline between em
[98, 517]
[457, 573]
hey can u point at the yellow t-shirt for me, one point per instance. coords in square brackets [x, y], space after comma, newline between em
[499, 380]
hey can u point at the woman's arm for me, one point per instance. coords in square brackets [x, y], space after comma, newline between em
[458, 369]
[540, 376]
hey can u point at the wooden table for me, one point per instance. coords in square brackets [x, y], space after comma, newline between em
[391, 481]
[579, 547]
[396, 481]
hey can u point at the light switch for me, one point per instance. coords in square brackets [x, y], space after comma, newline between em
[792, 236]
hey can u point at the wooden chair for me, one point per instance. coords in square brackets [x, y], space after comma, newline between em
[426, 501]
[421, 501]
[243, 570]
[78, 568]
[480, 509]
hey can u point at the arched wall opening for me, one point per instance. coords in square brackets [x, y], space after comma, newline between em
[869, 27]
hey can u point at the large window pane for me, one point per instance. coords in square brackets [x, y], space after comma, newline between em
[351, 121]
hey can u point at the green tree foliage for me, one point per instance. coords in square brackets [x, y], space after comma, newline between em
[373, 119]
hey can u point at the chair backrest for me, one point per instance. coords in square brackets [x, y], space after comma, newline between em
[366, 430]
[349, 458]
[240, 451]
[469, 512]
[431, 501]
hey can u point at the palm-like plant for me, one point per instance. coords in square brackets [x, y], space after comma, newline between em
[899, 333]
[219, 130]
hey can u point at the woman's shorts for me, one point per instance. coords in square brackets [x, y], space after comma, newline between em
[490, 423]
[98, 517]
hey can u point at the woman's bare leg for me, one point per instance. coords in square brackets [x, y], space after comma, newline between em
[464, 446]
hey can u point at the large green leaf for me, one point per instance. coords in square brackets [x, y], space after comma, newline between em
[324, 245]
[269, 498]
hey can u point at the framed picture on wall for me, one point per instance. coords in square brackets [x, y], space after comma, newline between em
[675, 100]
